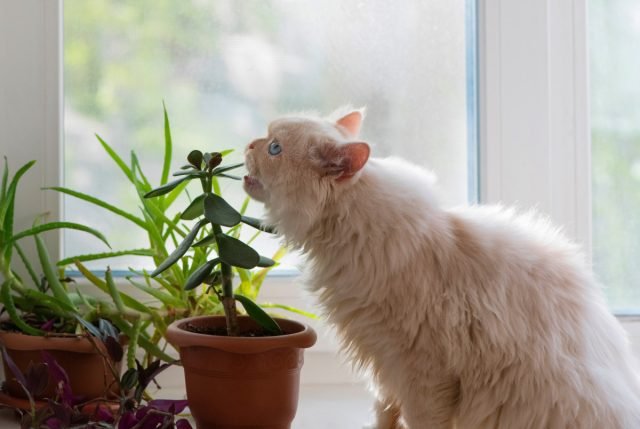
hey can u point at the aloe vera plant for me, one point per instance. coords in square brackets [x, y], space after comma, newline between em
[42, 301]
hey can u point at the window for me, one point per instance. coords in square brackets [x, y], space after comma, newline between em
[225, 68]
[615, 117]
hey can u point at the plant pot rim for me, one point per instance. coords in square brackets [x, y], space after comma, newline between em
[72, 343]
[303, 337]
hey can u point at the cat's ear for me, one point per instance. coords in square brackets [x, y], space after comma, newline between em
[342, 161]
[351, 122]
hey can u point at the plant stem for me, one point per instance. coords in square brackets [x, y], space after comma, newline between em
[228, 301]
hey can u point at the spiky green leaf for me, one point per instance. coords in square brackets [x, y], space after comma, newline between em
[105, 255]
[100, 203]
[168, 146]
[59, 225]
[9, 306]
[50, 273]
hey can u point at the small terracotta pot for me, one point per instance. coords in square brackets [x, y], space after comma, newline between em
[241, 382]
[89, 376]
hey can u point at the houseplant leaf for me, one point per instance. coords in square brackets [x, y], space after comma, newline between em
[257, 224]
[199, 275]
[235, 252]
[180, 250]
[9, 305]
[194, 210]
[218, 211]
[58, 225]
[50, 273]
[168, 145]
[166, 188]
[259, 315]
[100, 203]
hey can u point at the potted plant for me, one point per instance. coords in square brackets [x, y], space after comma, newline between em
[45, 315]
[240, 371]
[131, 408]
[168, 299]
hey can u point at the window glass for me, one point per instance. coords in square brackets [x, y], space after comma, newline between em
[615, 117]
[225, 68]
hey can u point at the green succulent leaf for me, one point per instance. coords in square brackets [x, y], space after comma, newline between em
[105, 255]
[100, 203]
[58, 225]
[219, 170]
[9, 305]
[229, 176]
[50, 273]
[265, 262]
[291, 309]
[218, 211]
[257, 224]
[181, 249]
[259, 315]
[194, 210]
[165, 298]
[168, 145]
[102, 285]
[5, 178]
[7, 202]
[116, 158]
[206, 241]
[192, 173]
[113, 291]
[235, 252]
[165, 189]
[200, 275]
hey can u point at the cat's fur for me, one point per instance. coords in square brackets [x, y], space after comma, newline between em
[472, 317]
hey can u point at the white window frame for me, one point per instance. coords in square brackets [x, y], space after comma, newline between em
[534, 133]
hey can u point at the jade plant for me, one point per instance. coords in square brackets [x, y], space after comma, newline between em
[212, 213]
[165, 298]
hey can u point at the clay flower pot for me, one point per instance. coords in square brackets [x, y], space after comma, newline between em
[88, 375]
[241, 382]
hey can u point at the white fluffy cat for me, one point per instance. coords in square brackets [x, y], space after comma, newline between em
[471, 318]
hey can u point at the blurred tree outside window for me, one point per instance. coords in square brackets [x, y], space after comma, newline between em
[614, 36]
[225, 68]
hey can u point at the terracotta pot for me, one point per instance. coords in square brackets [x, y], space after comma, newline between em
[88, 375]
[241, 382]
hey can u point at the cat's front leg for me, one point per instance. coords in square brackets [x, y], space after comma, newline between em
[433, 406]
[387, 414]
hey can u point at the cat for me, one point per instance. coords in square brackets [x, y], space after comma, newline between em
[469, 318]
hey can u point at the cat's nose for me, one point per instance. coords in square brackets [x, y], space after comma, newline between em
[251, 145]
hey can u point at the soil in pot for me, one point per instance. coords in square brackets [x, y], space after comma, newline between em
[221, 331]
[241, 382]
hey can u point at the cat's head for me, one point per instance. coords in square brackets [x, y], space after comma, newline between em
[302, 163]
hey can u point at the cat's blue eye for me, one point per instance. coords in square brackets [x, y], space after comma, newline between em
[274, 148]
